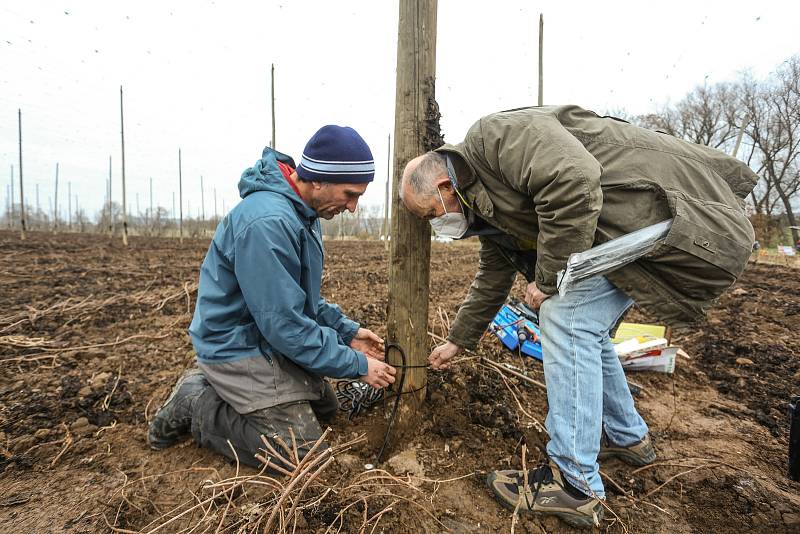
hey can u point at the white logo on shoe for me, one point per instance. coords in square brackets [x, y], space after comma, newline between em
[547, 500]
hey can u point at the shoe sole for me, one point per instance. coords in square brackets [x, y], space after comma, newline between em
[571, 519]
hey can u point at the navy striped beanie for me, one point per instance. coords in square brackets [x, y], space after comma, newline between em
[336, 154]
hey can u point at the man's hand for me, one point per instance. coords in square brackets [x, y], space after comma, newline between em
[441, 355]
[370, 344]
[534, 297]
[379, 374]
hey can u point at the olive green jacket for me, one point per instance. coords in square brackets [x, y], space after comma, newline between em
[560, 179]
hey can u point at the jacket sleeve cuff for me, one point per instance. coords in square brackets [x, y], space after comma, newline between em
[458, 336]
[348, 330]
[546, 281]
[361, 364]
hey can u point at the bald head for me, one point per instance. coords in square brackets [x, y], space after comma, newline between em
[424, 179]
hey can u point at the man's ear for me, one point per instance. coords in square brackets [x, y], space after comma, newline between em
[444, 183]
[316, 185]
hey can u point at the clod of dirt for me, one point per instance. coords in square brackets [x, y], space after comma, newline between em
[99, 381]
[406, 462]
[79, 425]
[744, 361]
[791, 520]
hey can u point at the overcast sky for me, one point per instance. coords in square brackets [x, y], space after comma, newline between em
[196, 76]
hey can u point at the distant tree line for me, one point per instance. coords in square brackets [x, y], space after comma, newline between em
[759, 121]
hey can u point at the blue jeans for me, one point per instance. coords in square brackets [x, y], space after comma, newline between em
[586, 386]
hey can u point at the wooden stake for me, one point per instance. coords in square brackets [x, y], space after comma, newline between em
[11, 200]
[202, 203]
[124, 205]
[150, 217]
[180, 198]
[541, 59]
[21, 193]
[55, 203]
[111, 228]
[410, 250]
[740, 136]
[272, 83]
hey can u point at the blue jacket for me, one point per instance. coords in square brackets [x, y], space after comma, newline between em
[259, 294]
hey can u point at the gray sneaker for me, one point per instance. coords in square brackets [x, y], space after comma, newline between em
[545, 493]
[173, 420]
[639, 454]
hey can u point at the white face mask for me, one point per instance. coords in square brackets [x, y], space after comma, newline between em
[452, 225]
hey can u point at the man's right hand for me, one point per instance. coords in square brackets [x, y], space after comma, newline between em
[379, 374]
[441, 355]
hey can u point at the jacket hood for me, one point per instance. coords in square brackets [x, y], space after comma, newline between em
[265, 175]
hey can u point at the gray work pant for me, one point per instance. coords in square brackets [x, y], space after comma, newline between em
[215, 423]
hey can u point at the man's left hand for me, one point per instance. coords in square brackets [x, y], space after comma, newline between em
[534, 297]
[369, 343]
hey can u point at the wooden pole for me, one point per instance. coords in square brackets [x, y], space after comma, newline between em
[69, 206]
[180, 198]
[541, 59]
[122, 136]
[21, 193]
[38, 209]
[202, 203]
[272, 83]
[740, 136]
[410, 250]
[150, 217]
[11, 199]
[55, 203]
[385, 230]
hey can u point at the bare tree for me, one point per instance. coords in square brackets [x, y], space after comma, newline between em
[709, 115]
[773, 108]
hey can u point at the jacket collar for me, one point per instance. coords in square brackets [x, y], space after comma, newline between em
[468, 181]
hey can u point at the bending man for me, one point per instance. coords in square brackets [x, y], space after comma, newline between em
[538, 184]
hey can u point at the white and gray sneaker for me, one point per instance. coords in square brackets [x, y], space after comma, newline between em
[546, 492]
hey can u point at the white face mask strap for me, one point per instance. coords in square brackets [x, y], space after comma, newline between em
[441, 199]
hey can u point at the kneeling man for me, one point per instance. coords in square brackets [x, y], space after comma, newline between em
[264, 337]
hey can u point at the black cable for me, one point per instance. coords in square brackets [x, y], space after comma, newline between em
[392, 417]
[355, 396]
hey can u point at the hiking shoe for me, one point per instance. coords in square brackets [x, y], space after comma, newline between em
[546, 493]
[638, 454]
[174, 419]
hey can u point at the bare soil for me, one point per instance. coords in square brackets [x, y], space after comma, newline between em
[93, 336]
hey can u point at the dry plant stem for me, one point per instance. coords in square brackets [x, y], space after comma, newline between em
[53, 352]
[670, 479]
[377, 517]
[614, 483]
[117, 529]
[67, 443]
[519, 404]
[107, 399]
[289, 452]
[230, 500]
[666, 463]
[515, 373]
[305, 486]
[306, 467]
[264, 460]
[294, 446]
[279, 456]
